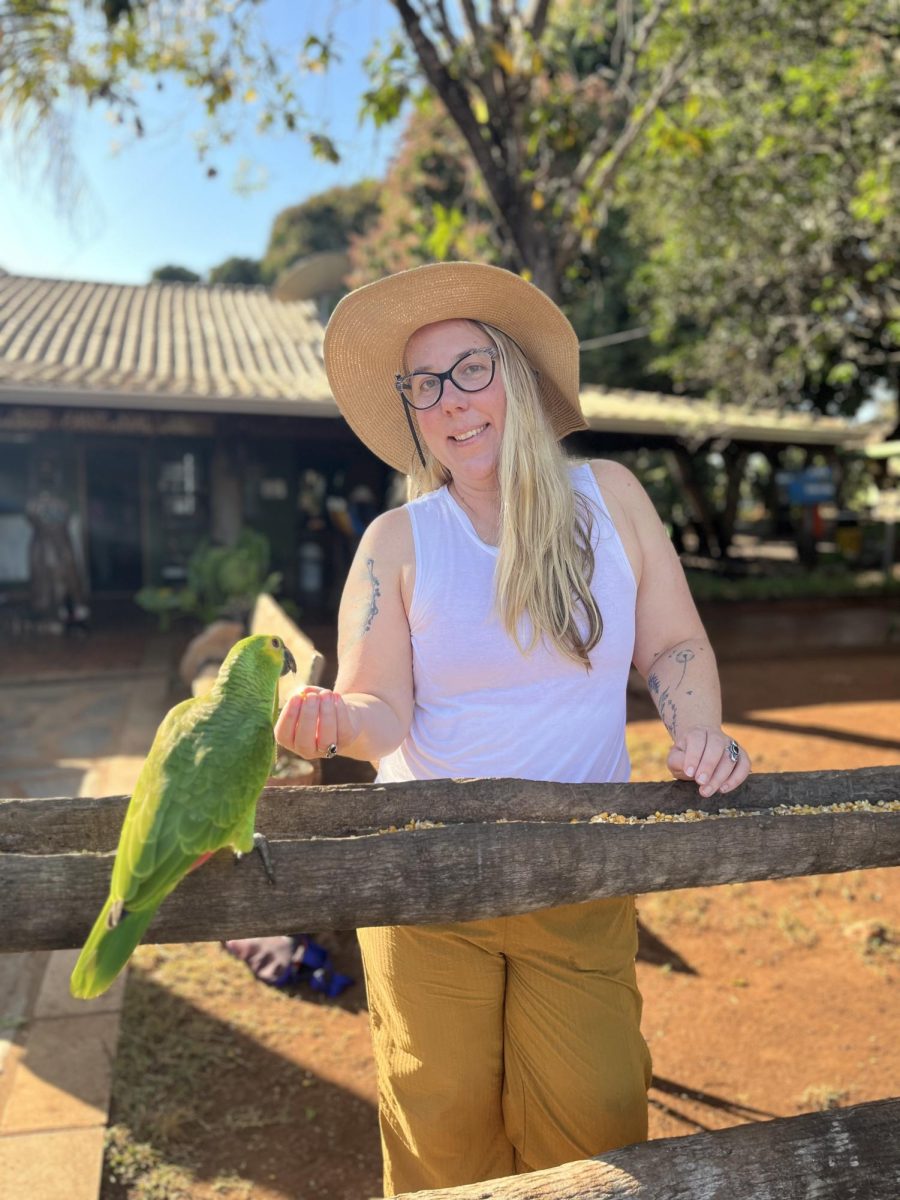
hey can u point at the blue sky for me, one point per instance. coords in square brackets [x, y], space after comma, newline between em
[150, 202]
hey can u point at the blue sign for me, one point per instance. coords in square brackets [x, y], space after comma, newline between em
[815, 485]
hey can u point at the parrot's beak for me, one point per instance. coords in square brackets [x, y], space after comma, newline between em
[289, 664]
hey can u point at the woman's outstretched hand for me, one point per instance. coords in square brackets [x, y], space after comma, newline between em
[313, 720]
[711, 758]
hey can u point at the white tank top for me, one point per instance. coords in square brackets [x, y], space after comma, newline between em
[482, 707]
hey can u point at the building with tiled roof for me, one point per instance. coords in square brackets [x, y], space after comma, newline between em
[166, 346]
[167, 413]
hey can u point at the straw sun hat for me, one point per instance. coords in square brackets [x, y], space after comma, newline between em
[369, 329]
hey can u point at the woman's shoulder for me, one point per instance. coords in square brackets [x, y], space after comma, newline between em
[615, 479]
[390, 534]
[613, 474]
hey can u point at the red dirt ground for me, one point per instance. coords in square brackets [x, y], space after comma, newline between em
[762, 999]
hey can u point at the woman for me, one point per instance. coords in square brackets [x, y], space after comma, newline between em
[487, 628]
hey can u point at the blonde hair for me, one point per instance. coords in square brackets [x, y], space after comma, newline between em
[546, 561]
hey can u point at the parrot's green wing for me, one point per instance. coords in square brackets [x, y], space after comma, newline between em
[196, 793]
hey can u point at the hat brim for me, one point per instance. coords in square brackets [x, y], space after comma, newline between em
[369, 329]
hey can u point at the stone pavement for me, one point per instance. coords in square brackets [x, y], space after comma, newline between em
[84, 734]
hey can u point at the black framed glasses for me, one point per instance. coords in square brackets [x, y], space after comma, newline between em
[472, 372]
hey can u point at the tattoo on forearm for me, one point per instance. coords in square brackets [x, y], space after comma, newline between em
[668, 711]
[683, 657]
[376, 593]
[662, 698]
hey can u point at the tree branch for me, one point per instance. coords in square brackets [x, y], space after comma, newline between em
[536, 18]
[501, 175]
[638, 44]
[624, 29]
[500, 114]
[456, 101]
[471, 15]
[673, 72]
[438, 14]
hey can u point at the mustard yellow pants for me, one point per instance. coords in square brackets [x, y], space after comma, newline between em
[506, 1045]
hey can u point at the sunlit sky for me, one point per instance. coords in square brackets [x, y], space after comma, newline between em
[149, 202]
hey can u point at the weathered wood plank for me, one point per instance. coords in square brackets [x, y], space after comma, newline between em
[54, 826]
[845, 1154]
[455, 872]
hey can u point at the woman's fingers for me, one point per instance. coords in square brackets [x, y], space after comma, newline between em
[723, 772]
[704, 755]
[734, 772]
[299, 726]
[325, 732]
[686, 753]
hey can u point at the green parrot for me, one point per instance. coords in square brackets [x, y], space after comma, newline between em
[196, 793]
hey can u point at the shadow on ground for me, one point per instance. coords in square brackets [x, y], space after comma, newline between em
[200, 1096]
[702, 1102]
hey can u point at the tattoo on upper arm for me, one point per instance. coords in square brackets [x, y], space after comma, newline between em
[376, 593]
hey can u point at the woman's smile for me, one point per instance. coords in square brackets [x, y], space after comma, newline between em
[469, 435]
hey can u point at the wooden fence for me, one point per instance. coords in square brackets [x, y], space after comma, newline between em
[445, 850]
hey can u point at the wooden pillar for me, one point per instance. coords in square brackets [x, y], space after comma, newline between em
[225, 498]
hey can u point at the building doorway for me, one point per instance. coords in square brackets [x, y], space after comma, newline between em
[113, 475]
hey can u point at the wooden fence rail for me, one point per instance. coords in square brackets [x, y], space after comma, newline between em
[440, 850]
[845, 1154]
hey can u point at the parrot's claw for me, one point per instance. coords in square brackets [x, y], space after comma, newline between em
[262, 846]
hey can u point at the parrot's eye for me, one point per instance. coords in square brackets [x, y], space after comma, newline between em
[276, 643]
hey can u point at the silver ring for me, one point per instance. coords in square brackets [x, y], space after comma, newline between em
[734, 750]
[331, 751]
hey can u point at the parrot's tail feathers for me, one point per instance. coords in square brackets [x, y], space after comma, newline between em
[109, 946]
[201, 860]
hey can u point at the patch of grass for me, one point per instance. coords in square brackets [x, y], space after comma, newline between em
[197, 1097]
[233, 1186]
[883, 943]
[664, 910]
[166, 1051]
[878, 943]
[795, 930]
[169, 1057]
[140, 1170]
[820, 582]
[822, 1096]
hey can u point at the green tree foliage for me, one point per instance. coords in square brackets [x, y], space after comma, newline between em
[433, 203]
[768, 198]
[244, 272]
[549, 99]
[175, 274]
[327, 221]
